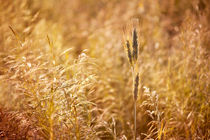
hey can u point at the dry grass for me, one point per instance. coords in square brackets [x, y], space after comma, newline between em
[64, 73]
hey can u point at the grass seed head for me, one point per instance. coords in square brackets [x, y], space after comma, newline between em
[129, 52]
[136, 85]
[135, 45]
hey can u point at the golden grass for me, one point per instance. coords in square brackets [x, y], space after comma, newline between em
[64, 73]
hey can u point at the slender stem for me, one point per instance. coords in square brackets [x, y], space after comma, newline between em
[134, 119]
[133, 75]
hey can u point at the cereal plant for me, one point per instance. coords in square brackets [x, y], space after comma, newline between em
[132, 54]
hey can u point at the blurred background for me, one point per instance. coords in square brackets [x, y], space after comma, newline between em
[64, 73]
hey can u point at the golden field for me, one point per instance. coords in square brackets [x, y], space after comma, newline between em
[87, 69]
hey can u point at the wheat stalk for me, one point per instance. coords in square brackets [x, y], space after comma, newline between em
[133, 57]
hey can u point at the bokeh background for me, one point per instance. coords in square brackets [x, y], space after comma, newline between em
[64, 72]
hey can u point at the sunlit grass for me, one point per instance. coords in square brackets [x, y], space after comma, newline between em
[64, 73]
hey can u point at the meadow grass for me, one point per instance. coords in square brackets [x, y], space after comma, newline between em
[64, 73]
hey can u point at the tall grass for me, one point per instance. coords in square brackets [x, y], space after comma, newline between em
[132, 54]
[64, 75]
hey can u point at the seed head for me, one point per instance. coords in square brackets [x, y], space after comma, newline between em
[136, 85]
[129, 52]
[135, 45]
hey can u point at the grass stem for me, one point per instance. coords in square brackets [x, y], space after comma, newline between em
[134, 119]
